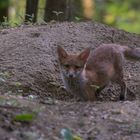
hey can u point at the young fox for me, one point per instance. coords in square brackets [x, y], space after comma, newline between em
[86, 74]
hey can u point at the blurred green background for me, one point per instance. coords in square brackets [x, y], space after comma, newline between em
[123, 14]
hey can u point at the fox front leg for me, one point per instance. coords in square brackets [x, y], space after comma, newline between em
[88, 93]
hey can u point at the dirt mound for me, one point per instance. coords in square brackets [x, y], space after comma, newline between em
[28, 57]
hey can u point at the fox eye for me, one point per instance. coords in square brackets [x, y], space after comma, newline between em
[78, 67]
[66, 66]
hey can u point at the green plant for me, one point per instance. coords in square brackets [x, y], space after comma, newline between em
[24, 117]
[57, 13]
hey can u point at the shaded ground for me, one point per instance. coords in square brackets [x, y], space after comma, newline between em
[30, 83]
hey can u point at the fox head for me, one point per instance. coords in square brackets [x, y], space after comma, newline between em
[72, 64]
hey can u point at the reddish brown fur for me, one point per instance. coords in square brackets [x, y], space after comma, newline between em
[103, 65]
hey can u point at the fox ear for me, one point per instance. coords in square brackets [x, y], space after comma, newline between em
[61, 52]
[84, 54]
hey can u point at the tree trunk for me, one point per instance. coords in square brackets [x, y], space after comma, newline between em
[31, 10]
[88, 9]
[69, 10]
[3, 9]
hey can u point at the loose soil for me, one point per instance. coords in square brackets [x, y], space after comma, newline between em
[30, 83]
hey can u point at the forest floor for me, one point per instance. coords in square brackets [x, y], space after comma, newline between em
[33, 102]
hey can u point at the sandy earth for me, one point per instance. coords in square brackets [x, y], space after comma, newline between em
[30, 82]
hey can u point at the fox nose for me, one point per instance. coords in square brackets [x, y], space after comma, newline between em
[71, 75]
